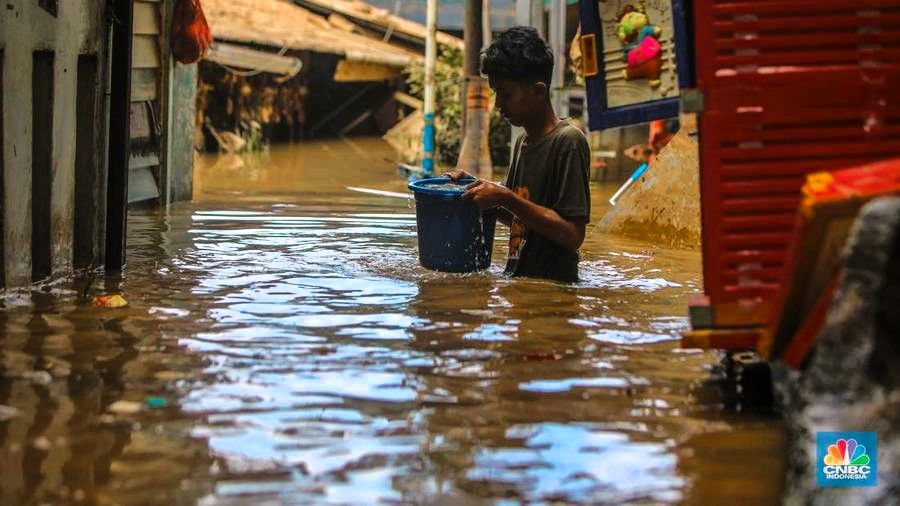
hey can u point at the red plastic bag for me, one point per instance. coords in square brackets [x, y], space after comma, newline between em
[191, 36]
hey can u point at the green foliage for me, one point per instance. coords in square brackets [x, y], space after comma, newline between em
[256, 141]
[448, 114]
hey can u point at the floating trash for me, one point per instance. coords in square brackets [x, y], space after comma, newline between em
[154, 402]
[125, 407]
[110, 301]
[42, 443]
[8, 412]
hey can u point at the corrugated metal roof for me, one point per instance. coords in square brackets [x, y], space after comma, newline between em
[360, 11]
[281, 24]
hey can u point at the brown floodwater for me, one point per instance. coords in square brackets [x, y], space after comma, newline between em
[282, 345]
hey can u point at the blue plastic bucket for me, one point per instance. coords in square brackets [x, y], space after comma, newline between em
[454, 236]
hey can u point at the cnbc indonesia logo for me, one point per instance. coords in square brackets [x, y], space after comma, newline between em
[846, 461]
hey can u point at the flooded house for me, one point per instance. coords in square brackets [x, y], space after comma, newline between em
[279, 72]
[87, 91]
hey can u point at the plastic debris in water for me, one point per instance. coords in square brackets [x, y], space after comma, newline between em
[110, 301]
[42, 378]
[8, 412]
[42, 443]
[124, 407]
[154, 402]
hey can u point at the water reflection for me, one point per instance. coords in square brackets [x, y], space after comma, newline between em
[64, 364]
[306, 357]
[514, 403]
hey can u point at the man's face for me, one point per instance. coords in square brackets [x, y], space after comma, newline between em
[516, 100]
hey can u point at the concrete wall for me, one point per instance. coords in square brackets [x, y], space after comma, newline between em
[78, 28]
[663, 206]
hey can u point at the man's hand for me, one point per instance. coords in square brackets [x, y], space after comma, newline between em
[486, 195]
[458, 174]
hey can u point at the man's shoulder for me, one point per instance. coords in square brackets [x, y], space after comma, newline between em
[569, 133]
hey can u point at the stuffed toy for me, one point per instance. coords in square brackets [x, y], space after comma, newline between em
[640, 42]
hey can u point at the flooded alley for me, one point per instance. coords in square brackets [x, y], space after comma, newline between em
[282, 345]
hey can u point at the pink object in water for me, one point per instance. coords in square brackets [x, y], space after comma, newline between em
[647, 50]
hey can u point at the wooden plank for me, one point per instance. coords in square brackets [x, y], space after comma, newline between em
[361, 71]
[145, 52]
[246, 58]
[146, 19]
[141, 185]
[139, 121]
[144, 85]
[407, 100]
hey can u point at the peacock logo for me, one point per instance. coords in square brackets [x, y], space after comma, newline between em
[847, 459]
[846, 452]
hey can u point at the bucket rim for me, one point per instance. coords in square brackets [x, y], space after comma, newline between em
[420, 186]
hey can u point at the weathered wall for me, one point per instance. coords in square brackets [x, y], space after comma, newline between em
[180, 133]
[25, 28]
[664, 204]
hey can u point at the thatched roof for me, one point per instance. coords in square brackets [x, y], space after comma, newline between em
[280, 24]
[365, 13]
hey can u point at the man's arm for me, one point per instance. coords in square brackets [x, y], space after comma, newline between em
[543, 220]
[503, 215]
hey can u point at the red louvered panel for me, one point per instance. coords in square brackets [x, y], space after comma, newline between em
[757, 222]
[791, 87]
[738, 187]
[801, 22]
[730, 171]
[756, 256]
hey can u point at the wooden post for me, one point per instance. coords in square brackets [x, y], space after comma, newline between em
[531, 13]
[474, 156]
[528, 13]
[487, 33]
[430, 59]
[119, 136]
[472, 37]
[558, 95]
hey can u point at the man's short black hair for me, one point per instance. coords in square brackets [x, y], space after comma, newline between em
[519, 54]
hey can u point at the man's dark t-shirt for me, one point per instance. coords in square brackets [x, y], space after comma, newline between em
[552, 172]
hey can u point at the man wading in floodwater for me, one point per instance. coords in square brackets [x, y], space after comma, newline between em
[545, 202]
